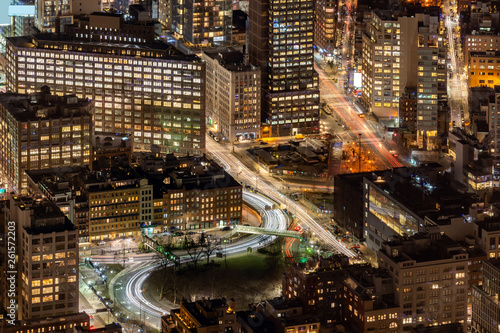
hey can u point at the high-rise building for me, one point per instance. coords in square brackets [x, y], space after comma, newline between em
[22, 15]
[140, 86]
[282, 45]
[325, 26]
[48, 259]
[485, 305]
[430, 278]
[165, 14]
[233, 95]
[494, 124]
[431, 85]
[42, 131]
[53, 15]
[202, 23]
[389, 61]
[397, 48]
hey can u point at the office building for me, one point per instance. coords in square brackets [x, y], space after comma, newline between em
[48, 257]
[431, 85]
[53, 16]
[485, 305]
[484, 69]
[325, 26]
[41, 131]
[140, 86]
[385, 216]
[233, 95]
[205, 315]
[284, 52]
[398, 204]
[430, 278]
[202, 24]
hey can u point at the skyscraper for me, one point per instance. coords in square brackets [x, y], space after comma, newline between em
[431, 85]
[282, 45]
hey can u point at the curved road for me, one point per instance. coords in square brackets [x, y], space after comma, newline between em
[128, 290]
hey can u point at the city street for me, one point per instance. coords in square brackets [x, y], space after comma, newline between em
[457, 84]
[350, 115]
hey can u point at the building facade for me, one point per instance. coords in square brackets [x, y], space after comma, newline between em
[202, 23]
[318, 285]
[430, 279]
[48, 257]
[386, 217]
[325, 26]
[140, 86]
[431, 85]
[284, 51]
[397, 53]
[387, 62]
[484, 69]
[233, 95]
[51, 16]
[485, 305]
[43, 131]
[479, 42]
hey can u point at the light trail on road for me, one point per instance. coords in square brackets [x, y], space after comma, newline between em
[354, 122]
[236, 167]
[272, 219]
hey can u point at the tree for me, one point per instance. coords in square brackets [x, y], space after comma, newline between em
[210, 245]
[194, 250]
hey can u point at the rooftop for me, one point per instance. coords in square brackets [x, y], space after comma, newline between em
[422, 247]
[43, 105]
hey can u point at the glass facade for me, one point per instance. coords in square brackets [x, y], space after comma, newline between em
[391, 213]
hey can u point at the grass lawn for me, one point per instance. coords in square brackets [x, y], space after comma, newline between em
[248, 278]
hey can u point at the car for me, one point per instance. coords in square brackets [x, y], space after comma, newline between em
[226, 228]
[395, 155]
[179, 233]
[263, 143]
[101, 243]
[191, 233]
